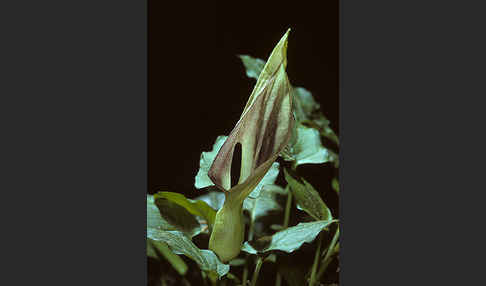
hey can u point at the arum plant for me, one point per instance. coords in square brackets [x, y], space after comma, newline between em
[263, 131]
[278, 120]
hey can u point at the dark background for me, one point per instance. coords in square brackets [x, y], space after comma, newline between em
[197, 85]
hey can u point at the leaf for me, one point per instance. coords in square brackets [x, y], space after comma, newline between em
[151, 250]
[268, 179]
[180, 244]
[304, 104]
[323, 124]
[307, 111]
[308, 198]
[213, 199]
[154, 219]
[178, 217]
[307, 148]
[205, 162]
[253, 66]
[195, 207]
[292, 238]
[159, 249]
[264, 203]
[335, 185]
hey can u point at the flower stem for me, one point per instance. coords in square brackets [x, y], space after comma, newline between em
[257, 271]
[328, 256]
[287, 209]
[316, 262]
[245, 275]
[278, 279]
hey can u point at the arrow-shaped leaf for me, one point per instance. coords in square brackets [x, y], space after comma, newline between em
[290, 239]
[306, 147]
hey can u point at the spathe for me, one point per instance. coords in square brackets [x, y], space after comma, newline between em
[263, 129]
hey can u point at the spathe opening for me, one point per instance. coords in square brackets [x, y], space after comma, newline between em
[236, 165]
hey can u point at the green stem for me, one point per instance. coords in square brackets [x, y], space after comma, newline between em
[203, 275]
[250, 237]
[316, 262]
[329, 253]
[278, 281]
[250, 230]
[257, 271]
[287, 208]
[245, 275]
[288, 205]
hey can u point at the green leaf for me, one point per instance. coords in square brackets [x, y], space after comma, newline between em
[181, 244]
[159, 249]
[306, 147]
[335, 185]
[213, 199]
[292, 238]
[205, 162]
[151, 250]
[307, 111]
[322, 124]
[268, 179]
[304, 104]
[176, 216]
[154, 219]
[264, 203]
[253, 66]
[195, 207]
[307, 198]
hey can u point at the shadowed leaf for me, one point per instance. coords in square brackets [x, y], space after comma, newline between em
[195, 207]
[178, 217]
[160, 250]
[154, 219]
[335, 185]
[307, 198]
[180, 244]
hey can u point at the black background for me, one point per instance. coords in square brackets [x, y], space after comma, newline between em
[198, 87]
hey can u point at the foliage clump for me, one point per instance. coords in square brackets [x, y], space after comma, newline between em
[281, 128]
